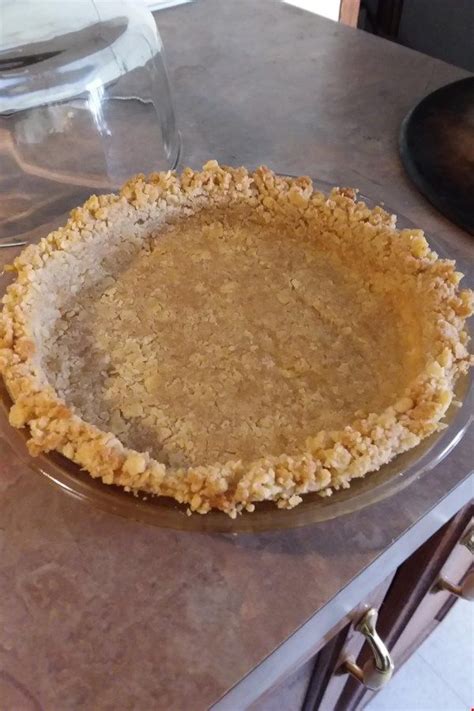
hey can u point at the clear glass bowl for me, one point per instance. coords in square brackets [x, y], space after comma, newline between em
[84, 104]
[159, 511]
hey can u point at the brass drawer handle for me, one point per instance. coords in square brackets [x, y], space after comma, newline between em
[468, 540]
[378, 671]
[465, 590]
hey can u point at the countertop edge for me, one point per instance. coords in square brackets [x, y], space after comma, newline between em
[299, 646]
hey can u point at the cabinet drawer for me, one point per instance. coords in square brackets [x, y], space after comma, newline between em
[328, 680]
[436, 603]
[414, 606]
[410, 605]
[288, 695]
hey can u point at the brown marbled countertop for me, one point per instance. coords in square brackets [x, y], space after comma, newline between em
[101, 613]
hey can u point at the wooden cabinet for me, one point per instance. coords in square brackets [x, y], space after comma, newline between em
[410, 604]
[413, 605]
[290, 694]
[328, 678]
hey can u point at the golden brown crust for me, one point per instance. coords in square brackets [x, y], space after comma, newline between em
[330, 458]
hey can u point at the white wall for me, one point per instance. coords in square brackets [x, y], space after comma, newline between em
[326, 8]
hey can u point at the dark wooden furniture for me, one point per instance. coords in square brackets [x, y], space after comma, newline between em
[411, 603]
[382, 18]
[349, 12]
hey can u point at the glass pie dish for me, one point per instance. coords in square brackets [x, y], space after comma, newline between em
[166, 513]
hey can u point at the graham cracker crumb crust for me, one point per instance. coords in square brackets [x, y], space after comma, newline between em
[225, 337]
